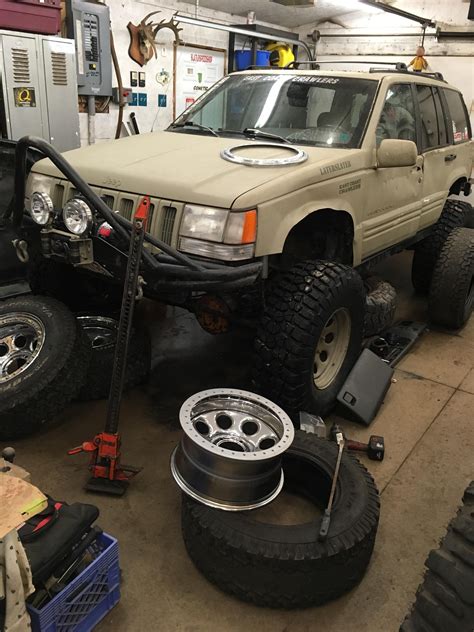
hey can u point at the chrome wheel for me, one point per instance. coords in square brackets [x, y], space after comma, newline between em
[332, 348]
[101, 330]
[21, 340]
[230, 454]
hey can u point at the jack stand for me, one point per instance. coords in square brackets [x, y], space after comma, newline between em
[109, 476]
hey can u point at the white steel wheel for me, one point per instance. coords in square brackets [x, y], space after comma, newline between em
[332, 348]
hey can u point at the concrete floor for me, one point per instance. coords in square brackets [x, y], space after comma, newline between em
[427, 421]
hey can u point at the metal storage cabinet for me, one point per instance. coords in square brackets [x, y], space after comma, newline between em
[39, 88]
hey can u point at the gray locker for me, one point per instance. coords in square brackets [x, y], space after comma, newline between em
[39, 88]
[21, 86]
[61, 92]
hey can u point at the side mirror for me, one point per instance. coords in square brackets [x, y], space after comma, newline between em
[396, 153]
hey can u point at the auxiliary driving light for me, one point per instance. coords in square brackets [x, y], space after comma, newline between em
[41, 208]
[77, 216]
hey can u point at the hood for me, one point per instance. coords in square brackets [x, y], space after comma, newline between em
[187, 167]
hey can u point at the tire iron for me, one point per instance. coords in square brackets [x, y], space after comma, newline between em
[326, 521]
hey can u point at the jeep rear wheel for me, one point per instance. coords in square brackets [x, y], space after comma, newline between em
[455, 214]
[310, 336]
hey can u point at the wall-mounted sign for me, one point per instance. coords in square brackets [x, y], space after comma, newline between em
[196, 69]
[24, 97]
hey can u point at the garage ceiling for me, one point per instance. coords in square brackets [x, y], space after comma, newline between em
[291, 13]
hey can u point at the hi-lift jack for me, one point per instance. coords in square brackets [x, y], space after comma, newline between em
[109, 475]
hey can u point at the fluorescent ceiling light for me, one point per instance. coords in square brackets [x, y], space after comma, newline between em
[355, 5]
[295, 3]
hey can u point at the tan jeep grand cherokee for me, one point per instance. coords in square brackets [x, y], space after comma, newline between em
[314, 176]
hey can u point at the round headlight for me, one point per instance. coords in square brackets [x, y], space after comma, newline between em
[41, 208]
[77, 216]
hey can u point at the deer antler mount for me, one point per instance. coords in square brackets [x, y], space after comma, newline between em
[143, 37]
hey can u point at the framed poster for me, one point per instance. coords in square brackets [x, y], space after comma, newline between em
[196, 69]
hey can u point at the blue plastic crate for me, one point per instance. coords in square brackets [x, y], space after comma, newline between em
[87, 599]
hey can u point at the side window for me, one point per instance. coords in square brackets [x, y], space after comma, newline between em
[458, 116]
[443, 136]
[429, 118]
[398, 115]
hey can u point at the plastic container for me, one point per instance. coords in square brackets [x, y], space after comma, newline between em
[243, 58]
[87, 599]
[33, 16]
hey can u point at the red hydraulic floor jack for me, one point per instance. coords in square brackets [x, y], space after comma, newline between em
[109, 475]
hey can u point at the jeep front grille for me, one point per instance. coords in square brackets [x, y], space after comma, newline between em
[109, 200]
[126, 208]
[58, 195]
[167, 224]
[151, 214]
[163, 218]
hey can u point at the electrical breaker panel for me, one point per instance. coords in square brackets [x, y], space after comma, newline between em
[89, 24]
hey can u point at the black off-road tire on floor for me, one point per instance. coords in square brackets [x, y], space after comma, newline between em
[445, 600]
[137, 371]
[54, 378]
[451, 298]
[380, 306]
[455, 214]
[298, 306]
[286, 566]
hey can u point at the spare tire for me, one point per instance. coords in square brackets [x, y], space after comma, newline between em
[445, 600]
[44, 359]
[380, 306]
[286, 566]
[101, 333]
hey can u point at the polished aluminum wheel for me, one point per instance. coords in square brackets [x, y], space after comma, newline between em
[230, 454]
[332, 348]
[21, 339]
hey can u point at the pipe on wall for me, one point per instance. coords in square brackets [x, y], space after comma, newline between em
[242, 31]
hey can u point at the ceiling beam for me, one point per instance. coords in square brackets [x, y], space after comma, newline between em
[403, 14]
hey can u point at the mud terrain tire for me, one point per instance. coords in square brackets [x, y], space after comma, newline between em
[300, 307]
[286, 566]
[445, 600]
[455, 214]
[34, 395]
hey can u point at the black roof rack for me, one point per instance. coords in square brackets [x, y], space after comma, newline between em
[398, 64]
[399, 67]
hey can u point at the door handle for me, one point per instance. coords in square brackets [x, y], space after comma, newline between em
[450, 157]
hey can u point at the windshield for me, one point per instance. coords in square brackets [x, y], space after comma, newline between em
[303, 109]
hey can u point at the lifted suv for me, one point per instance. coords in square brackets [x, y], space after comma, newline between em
[275, 190]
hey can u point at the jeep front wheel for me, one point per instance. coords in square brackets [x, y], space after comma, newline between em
[310, 336]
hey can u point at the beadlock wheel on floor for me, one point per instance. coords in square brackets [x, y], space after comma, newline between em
[230, 454]
[286, 566]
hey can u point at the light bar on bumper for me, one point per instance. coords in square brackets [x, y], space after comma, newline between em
[218, 233]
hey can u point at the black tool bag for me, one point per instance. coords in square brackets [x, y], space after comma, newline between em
[51, 536]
